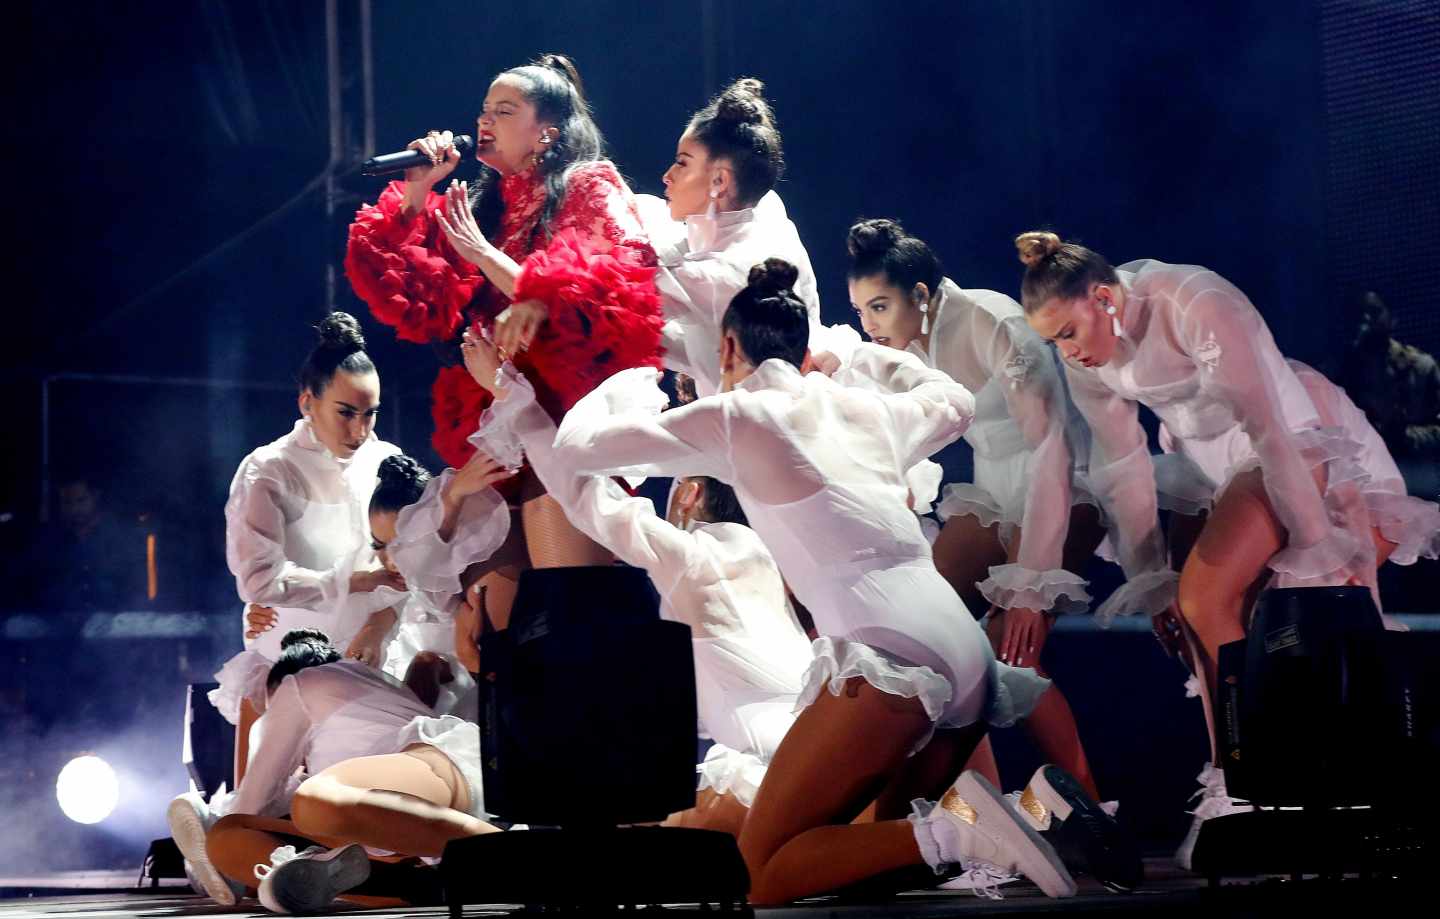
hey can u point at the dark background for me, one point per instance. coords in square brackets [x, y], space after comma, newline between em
[168, 242]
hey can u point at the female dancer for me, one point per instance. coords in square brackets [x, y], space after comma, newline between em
[721, 186]
[818, 469]
[1013, 539]
[296, 534]
[546, 252]
[1303, 487]
[713, 574]
[383, 771]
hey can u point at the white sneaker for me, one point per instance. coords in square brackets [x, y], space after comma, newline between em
[309, 881]
[1214, 802]
[981, 877]
[190, 821]
[973, 823]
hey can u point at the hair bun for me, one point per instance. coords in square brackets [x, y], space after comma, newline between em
[1036, 246]
[401, 470]
[297, 636]
[340, 332]
[743, 102]
[875, 237]
[773, 277]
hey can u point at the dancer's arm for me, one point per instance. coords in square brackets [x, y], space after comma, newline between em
[928, 409]
[279, 752]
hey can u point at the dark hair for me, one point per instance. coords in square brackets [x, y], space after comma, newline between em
[300, 649]
[739, 126]
[553, 86]
[402, 482]
[882, 246]
[341, 347]
[1058, 270]
[767, 318]
[721, 505]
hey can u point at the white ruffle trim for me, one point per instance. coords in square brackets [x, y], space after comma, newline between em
[924, 479]
[837, 660]
[1413, 524]
[1149, 593]
[1014, 691]
[1056, 590]
[730, 772]
[457, 739]
[964, 498]
[432, 565]
[496, 434]
[241, 677]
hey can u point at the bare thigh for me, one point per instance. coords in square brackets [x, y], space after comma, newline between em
[964, 553]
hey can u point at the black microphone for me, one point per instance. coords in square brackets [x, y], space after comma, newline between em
[405, 159]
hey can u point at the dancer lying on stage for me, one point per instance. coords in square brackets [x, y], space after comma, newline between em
[903, 678]
[721, 185]
[296, 537]
[713, 574]
[383, 771]
[1013, 539]
[546, 251]
[1303, 488]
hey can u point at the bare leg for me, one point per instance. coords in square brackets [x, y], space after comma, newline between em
[712, 811]
[411, 802]
[841, 752]
[248, 717]
[983, 761]
[964, 553]
[239, 842]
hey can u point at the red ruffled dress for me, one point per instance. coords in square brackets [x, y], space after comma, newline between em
[594, 270]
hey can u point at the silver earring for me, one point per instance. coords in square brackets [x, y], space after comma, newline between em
[924, 307]
[1110, 310]
[545, 138]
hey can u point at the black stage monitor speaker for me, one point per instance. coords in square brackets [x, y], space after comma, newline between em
[588, 722]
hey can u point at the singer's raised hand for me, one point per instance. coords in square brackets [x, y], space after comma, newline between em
[440, 147]
[458, 222]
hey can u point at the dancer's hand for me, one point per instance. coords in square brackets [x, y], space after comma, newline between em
[825, 362]
[515, 328]
[362, 582]
[1023, 638]
[259, 620]
[458, 222]
[483, 360]
[1169, 632]
[479, 473]
[439, 146]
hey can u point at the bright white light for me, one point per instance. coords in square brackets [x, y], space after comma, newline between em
[87, 789]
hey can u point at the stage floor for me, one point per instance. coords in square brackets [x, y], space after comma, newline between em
[1168, 892]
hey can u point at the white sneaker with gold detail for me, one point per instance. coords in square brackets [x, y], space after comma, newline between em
[973, 823]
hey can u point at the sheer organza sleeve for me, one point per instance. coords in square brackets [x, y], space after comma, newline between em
[406, 270]
[1123, 479]
[929, 410]
[609, 432]
[432, 564]
[597, 505]
[1237, 358]
[255, 549]
[596, 276]
[1036, 400]
[283, 737]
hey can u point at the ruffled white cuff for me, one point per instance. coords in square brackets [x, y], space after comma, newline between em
[429, 564]
[731, 772]
[1056, 590]
[496, 434]
[1150, 593]
[241, 677]
[923, 479]
[1014, 692]
[964, 498]
[1338, 553]
[1412, 524]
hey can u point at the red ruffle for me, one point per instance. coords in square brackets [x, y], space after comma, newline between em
[406, 271]
[604, 312]
[456, 402]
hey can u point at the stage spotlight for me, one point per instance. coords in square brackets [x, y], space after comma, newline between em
[87, 789]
